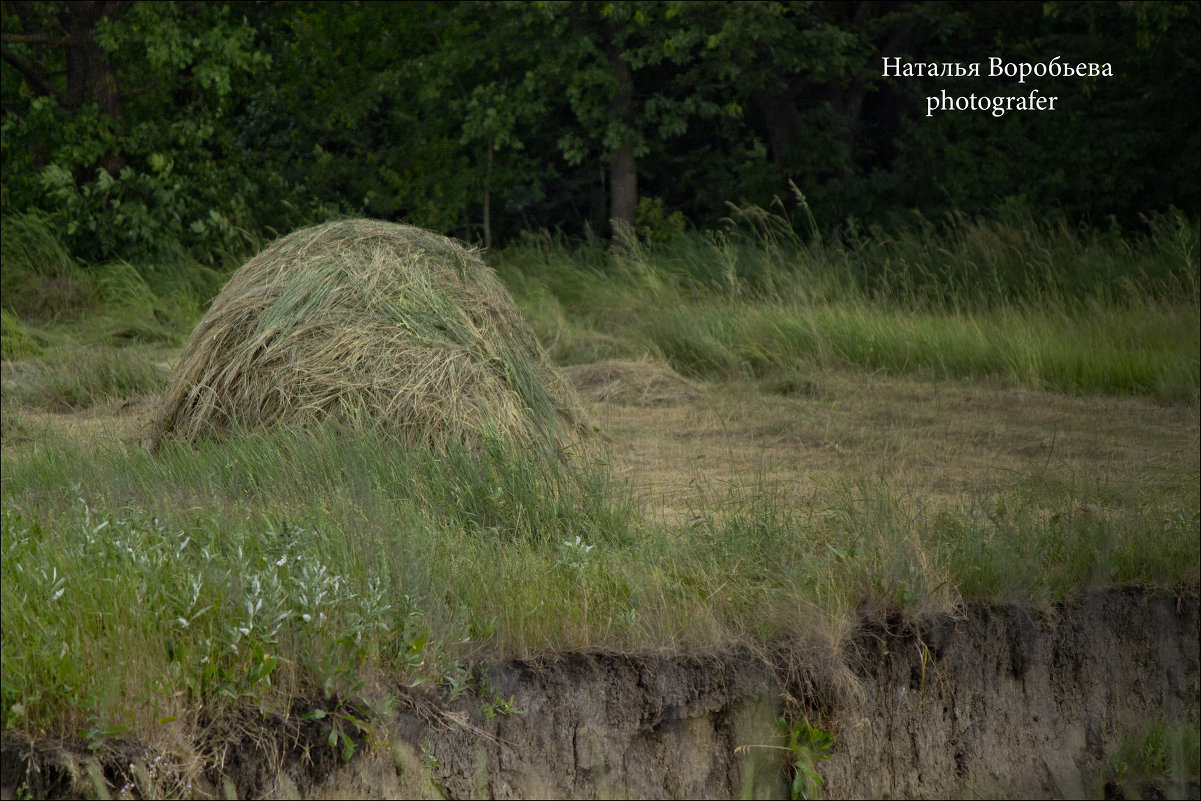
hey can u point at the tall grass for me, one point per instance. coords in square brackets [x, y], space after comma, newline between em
[139, 588]
[44, 285]
[16, 340]
[1027, 303]
[318, 555]
[76, 378]
[1107, 349]
[38, 276]
[977, 262]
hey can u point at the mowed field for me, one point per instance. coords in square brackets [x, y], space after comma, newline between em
[681, 443]
[938, 442]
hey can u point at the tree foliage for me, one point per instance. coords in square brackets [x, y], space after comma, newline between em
[134, 151]
[148, 126]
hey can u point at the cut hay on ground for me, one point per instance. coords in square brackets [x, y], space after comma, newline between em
[368, 322]
[632, 383]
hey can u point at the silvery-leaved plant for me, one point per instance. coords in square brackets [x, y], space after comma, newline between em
[575, 552]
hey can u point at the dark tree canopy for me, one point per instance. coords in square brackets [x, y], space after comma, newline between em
[143, 126]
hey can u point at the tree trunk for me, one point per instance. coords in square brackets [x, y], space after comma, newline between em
[488, 198]
[783, 120]
[623, 186]
[623, 170]
[89, 76]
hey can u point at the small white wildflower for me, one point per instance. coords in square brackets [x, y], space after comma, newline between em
[283, 560]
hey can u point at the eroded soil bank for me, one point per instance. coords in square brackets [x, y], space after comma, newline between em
[994, 701]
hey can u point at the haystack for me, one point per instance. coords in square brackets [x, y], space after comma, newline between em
[369, 323]
[632, 383]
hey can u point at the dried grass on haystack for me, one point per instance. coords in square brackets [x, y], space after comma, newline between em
[368, 322]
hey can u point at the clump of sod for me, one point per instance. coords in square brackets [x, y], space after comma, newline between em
[371, 323]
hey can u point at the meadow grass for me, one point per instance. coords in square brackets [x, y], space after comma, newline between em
[1105, 350]
[1033, 305]
[142, 588]
[16, 339]
[49, 295]
[153, 590]
[74, 378]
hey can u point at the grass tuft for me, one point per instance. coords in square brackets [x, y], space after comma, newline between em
[79, 377]
[16, 339]
[39, 279]
[1162, 759]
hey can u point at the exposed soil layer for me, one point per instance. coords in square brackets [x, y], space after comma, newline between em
[995, 701]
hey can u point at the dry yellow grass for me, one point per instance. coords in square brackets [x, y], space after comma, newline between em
[935, 441]
[632, 383]
[372, 323]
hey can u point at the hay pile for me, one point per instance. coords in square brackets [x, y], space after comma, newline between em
[368, 322]
[630, 383]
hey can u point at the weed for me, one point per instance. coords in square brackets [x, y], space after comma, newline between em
[1158, 760]
[807, 745]
[428, 757]
[158, 778]
[804, 745]
[499, 705]
[347, 729]
[491, 702]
